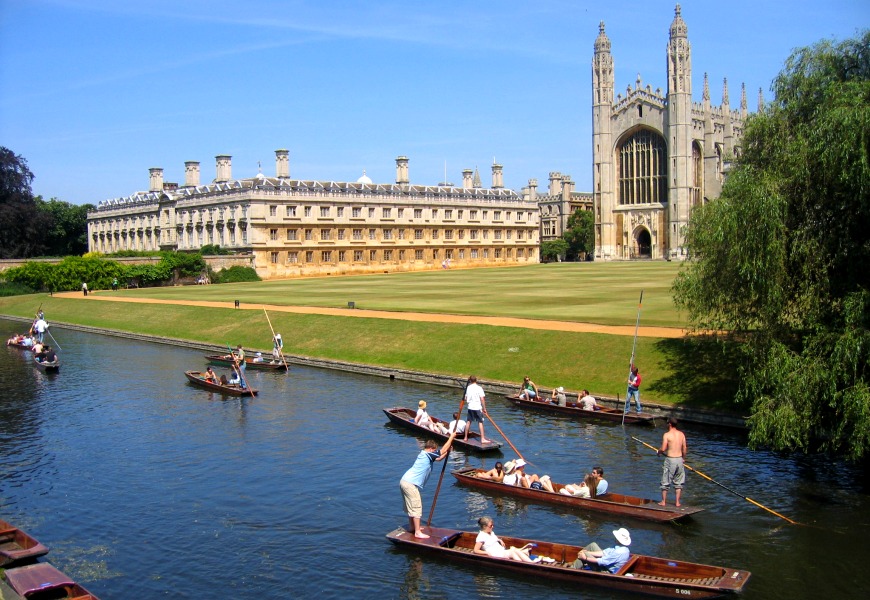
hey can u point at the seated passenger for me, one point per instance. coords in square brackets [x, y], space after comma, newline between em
[496, 473]
[48, 355]
[235, 379]
[488, 544]
[610, 559]
[528, 389]
[424, 420]
[531, 481]
[457, 424]
[584, 489]
[601, 483]
[210, 375]
[586, 401]
[559, 397]
[511, 477]
[259, 358]
[27, 341]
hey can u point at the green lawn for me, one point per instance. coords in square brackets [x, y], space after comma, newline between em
[681, 371]
[593, 292]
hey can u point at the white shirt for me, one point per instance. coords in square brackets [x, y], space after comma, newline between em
[474, 396]
[459, 429]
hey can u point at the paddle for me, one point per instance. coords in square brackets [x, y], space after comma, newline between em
[631, 360]
[275, 342]
[238, 369]
[447, 456]
[707, 477]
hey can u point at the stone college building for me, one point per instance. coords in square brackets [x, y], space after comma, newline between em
[656, 155]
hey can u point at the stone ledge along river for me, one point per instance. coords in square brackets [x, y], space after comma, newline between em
[144, 486]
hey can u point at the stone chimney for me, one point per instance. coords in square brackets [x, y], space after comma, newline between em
[191, 173]
[224, 168]
[567, 187]
[402, 170]
[282, 164]
[497, 179]
[533, 190]
[156, 179]
[467, 174]
[555, 183]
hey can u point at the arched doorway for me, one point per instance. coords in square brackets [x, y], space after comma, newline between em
[642, 246]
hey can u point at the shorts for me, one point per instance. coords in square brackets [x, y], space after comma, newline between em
[475, 415]
[674, 472]
[411, 496]
[536, 485]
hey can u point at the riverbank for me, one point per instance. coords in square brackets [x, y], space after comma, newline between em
[493, 386]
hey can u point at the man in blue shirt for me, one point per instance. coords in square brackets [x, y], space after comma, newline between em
[610, 559]
[415, 478]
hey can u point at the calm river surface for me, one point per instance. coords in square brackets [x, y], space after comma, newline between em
[146, 487]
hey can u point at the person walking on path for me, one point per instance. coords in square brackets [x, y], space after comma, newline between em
[415, 478]
[476, 400]
[633, 390]
[674, 450]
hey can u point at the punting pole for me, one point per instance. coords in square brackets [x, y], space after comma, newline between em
[238, 369]
[633, 347]
[488, 416]
[274, 342]
[707, 477]
[53, 340]
[447, 456]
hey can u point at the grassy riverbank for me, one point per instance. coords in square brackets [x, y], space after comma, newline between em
[674, 371]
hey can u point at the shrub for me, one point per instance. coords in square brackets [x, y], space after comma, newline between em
[234, 274]
[14, 289]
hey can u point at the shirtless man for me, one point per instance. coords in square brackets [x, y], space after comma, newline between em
[674, 450]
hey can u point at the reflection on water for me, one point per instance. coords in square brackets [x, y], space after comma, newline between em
[145, 486]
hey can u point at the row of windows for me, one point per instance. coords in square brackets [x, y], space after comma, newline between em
[328, 256]
[390, 234]
[387, 213]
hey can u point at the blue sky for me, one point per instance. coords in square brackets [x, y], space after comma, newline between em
[93, 93]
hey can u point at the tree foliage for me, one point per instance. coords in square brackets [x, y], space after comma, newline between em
[553, 249]
[66, 232]
[22, 225]
[580, 234]
[781, 258]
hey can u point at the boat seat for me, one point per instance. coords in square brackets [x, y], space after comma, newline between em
[8, 531]
[624, 568]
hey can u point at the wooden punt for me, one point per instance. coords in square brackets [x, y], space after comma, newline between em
[611, 503]
[48, 367]
[573, 409]
[17, 546]
[223, 359]
[230, 389]
[42, 581]
[405, 417]
[646, 574]
[18, 345]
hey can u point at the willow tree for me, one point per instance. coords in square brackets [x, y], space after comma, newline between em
[781, 260]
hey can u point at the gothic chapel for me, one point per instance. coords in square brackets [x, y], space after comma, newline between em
[655, 156]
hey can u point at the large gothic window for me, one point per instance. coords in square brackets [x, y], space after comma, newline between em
[643, 165]
[697, 175]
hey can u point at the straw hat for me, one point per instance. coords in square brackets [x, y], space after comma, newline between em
[560, 389]
[622, 536]
[422, 404]
[509, 467]
[520, 463]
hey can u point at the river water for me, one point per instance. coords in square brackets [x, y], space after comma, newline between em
[146, 487]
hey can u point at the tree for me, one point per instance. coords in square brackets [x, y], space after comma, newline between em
[780, 260]
[580, 235]
[22, 226]
[68, 233]
[553, 249]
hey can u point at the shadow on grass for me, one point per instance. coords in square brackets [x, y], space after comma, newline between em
[704, 373]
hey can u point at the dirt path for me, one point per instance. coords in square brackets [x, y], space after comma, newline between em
[658, 332]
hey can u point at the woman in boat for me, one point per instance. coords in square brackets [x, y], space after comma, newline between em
[511, 477]
[424, 420]
[528, 389]
[532, 480]
[584, 489]
[496, 473]
[489, 544]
